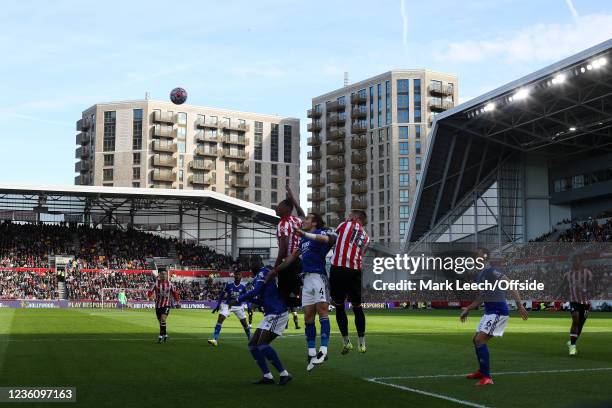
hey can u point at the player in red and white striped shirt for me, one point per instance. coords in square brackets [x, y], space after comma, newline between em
[345, 275]
[289, 282]
[166, 296]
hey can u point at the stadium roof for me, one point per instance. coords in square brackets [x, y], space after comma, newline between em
[125, 200]
[562, 110]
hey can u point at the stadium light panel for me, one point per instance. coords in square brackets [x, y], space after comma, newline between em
[558, 79]
[520, 94]
[572, 129]
[489, 107]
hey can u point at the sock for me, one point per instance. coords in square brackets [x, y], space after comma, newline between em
[260, 360]
[311, 335]
[284, 373]
[361, 340]
[162, 329]
[342, 320]
[573, 339]
[346, 340]
[269, 376]
[295, 320]
[272, 357]
[217, 331]
[247, 331]
[325, 330]
[482, 351]
[359, 321]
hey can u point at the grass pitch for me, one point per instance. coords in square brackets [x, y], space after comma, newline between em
[414, 358]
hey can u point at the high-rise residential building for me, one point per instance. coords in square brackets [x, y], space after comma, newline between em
[368, 144]
[156, 144]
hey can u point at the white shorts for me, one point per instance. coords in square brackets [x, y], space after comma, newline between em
[315, 289]
[493, 324]
[274, 323]
[237, 310]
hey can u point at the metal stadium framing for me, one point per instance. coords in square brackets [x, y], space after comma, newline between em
[473, 187]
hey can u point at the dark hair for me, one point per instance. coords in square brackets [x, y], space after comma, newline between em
[361, 215]
[287, 203]
[317, 220]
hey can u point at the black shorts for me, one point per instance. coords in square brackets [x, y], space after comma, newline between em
[581, 308]
[159, 311]
[290, 284]
[345, 283]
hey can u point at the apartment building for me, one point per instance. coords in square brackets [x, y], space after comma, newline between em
[368, 142]
[156, 144]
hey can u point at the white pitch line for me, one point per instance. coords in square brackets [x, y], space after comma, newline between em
[429, 394]
[381, 381]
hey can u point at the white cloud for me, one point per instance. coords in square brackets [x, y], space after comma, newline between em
[404, 22]
[541, 42]
[572, 9]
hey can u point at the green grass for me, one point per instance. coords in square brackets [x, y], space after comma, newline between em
[111, 358]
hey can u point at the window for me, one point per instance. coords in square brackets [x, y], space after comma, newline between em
[287, 171]
[381, 213]
[403, 196]
[403, 227]
[136, 158]
[257, 168]
[403, 148]
[274, 142]
[136, 173]
[404, 211]
[110, 124]
[274, 183]
[137, 129]
[107, 174]
[380, 105]
[381, 197]
[388, 102]
[404, 180]
[403, 132]
[274, 169]
[258, 181]
[273, 197]
[136, 184]
[402, 116]
[258, 196]
[403, 164]
[402, 85]
[417, 132]
[258, 144]
[417, 147]
[417, 162]
[109, 159]
[287, 144]
[371, 107]
[417, 100]
[381, 181]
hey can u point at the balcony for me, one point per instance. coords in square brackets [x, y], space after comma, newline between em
[204, 137]
[335, 149]
[358, 98]
[335, 162]
[314, 168]
[234, 154]
[164, 131]
[201, 165]
[358, 128]
[437, 105]
[359, 203]
[359, 112]
[314, 127]
[83, 124]
[164, 117]
[161, 161]
[336, 177]
[359, 157]
[239, 168]
[82, 139]
[336, 134]
[231, 125]
[163, 175]
[206, 151]
[238, 182]
[201, 179]
[436, 88]
[242, 141]
[316, 197]
[317, 209]
[81, 166]
[359, 142]
[314, 155]
[360, 187]
[337, 207]
[314, 141]
[337, 192]
[314, 113]
[335, 120]
[83, 180]
[164, 146]
[316, 182]
[335, 106]
[82, 152]
[207, 123]
[239, 195]
[359, 172]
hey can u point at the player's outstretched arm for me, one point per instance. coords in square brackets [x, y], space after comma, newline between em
[257, 288]
[296, 205]
[329, 238]
[221, 297]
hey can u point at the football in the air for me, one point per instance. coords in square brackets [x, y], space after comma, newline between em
[178, 96]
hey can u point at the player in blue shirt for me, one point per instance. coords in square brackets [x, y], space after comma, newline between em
[273, 324]
[495, 317]
[230, 292]
[313, 248]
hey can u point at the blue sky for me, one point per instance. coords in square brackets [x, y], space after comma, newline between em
[61, 57]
